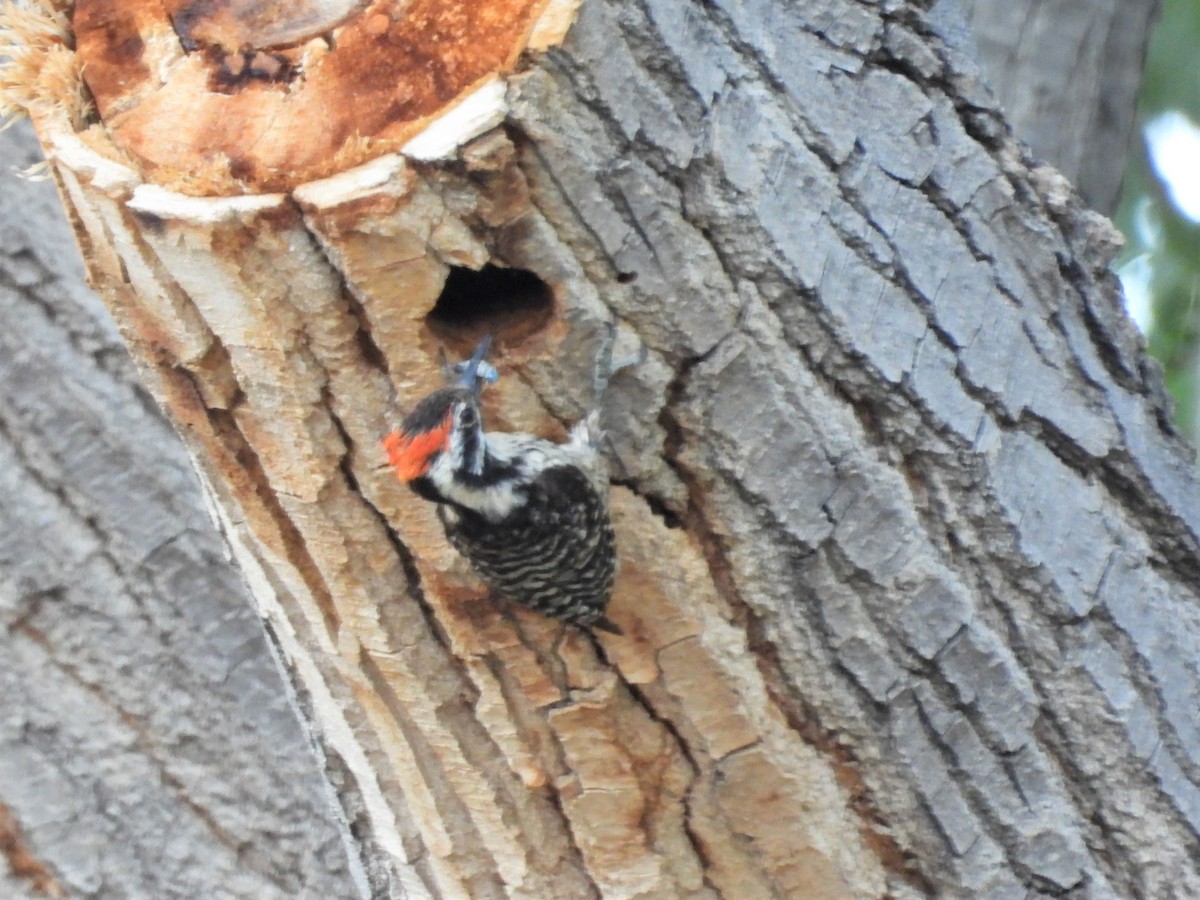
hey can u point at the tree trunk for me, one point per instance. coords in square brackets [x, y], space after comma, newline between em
[1067, 74]
[149, 748]
[908, 551]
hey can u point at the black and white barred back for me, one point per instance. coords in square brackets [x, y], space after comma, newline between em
[553, 552]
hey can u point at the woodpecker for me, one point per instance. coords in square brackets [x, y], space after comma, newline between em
[530, 515]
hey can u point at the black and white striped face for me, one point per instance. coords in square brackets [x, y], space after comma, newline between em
[468, 445]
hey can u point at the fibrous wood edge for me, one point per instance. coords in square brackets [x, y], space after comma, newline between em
[507, 766]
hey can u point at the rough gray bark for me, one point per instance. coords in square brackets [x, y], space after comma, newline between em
[929, 449]
[893, 397]
[148, 747]
[1067, 74]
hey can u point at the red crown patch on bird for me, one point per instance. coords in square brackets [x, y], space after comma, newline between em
[411, 454]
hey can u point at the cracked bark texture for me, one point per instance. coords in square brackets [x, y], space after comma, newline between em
[909, 551]
[149, 748]
[1067, 74]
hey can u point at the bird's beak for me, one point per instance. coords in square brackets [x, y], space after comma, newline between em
[470, 375]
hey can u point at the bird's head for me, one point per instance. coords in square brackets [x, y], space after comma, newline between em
[445, 430]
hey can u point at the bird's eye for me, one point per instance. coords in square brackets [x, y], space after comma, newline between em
[467, 417]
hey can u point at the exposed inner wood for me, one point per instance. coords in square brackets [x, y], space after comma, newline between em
[224, 96]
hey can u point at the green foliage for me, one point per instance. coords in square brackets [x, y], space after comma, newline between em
[1161, 241]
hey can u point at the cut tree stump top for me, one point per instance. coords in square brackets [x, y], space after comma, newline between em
[232, 96]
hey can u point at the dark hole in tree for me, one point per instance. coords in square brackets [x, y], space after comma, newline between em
[509, 304]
